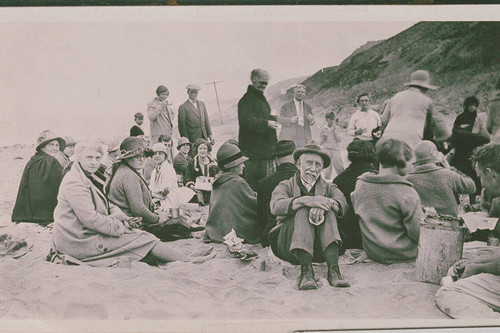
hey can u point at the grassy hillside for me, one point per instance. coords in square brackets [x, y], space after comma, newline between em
[462, 57]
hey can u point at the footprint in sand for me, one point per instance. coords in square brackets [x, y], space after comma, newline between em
[85, 311]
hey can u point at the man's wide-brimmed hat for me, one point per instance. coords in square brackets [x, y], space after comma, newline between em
[426, 152]
[47, 136]
[312, 148]
[183, 141]
[283, 148]
[422, 79]
[229, 156]
[130, 147]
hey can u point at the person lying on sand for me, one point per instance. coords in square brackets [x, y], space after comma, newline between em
[85, 229]
[307, 209]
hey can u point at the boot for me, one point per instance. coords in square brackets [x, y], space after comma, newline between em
[306, 280]
[335, 278]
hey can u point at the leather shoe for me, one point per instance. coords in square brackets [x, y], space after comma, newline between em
[335, 278]
[306, 280]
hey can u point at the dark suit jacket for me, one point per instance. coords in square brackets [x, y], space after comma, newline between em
[194, 123]
[266, 187]
[301, 135]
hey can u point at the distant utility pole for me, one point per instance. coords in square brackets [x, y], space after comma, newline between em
[217, 96]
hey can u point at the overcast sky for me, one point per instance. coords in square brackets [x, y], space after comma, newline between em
[88, 76]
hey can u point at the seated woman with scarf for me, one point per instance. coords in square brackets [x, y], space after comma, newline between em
[87, 230]
[127, 189]
[202, 165]
[163, 181]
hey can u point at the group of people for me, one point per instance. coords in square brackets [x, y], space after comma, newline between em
[270, 189]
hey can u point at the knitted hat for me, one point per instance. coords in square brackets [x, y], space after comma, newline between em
[426, 152]
[312, 148]
[183, 141]
[130, 147]
[229, 156]
[283, 148]
[422, 79]
[47, 136]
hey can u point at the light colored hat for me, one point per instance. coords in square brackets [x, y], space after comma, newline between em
[422, 79]
[47, 136]
[69, 141]
[193, 87]
[159, 146]
[130, 147]
[426, 152]
[229, 156]
[183, 141]
[313, 148]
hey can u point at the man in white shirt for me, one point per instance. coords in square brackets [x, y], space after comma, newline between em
[365, 120]
[296, 118]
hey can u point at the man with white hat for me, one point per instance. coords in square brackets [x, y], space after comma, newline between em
[233, 204]
[408, 115]
[307, 208]
[193, 117]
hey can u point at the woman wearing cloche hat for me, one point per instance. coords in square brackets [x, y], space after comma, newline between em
[238, 213]
[37, 195]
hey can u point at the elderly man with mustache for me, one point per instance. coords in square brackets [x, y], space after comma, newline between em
[307, 209]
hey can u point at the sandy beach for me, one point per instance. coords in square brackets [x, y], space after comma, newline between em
[223, 289]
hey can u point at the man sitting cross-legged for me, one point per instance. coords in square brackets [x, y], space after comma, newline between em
[307, 208]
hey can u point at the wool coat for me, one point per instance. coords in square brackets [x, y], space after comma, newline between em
[136, 130]
[160, 116]
[233, 205]
[281, 206]
[300, 135]
[130, 192]
[266, 187]
[389, 213]
[194, 122]
[493, 120]
[408, 116]
[37, 194]
[85, 229]
[440, 188]
[255, 138]
[346, 182]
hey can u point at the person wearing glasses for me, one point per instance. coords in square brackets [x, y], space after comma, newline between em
[257, 130]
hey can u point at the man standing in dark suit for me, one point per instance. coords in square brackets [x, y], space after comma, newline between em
[285, 169]
[296, 118]
[193, 118]
[257, 132]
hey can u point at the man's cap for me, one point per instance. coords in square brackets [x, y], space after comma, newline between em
[193, 87]
[283, 148]
[313, 148]
[139, 115]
